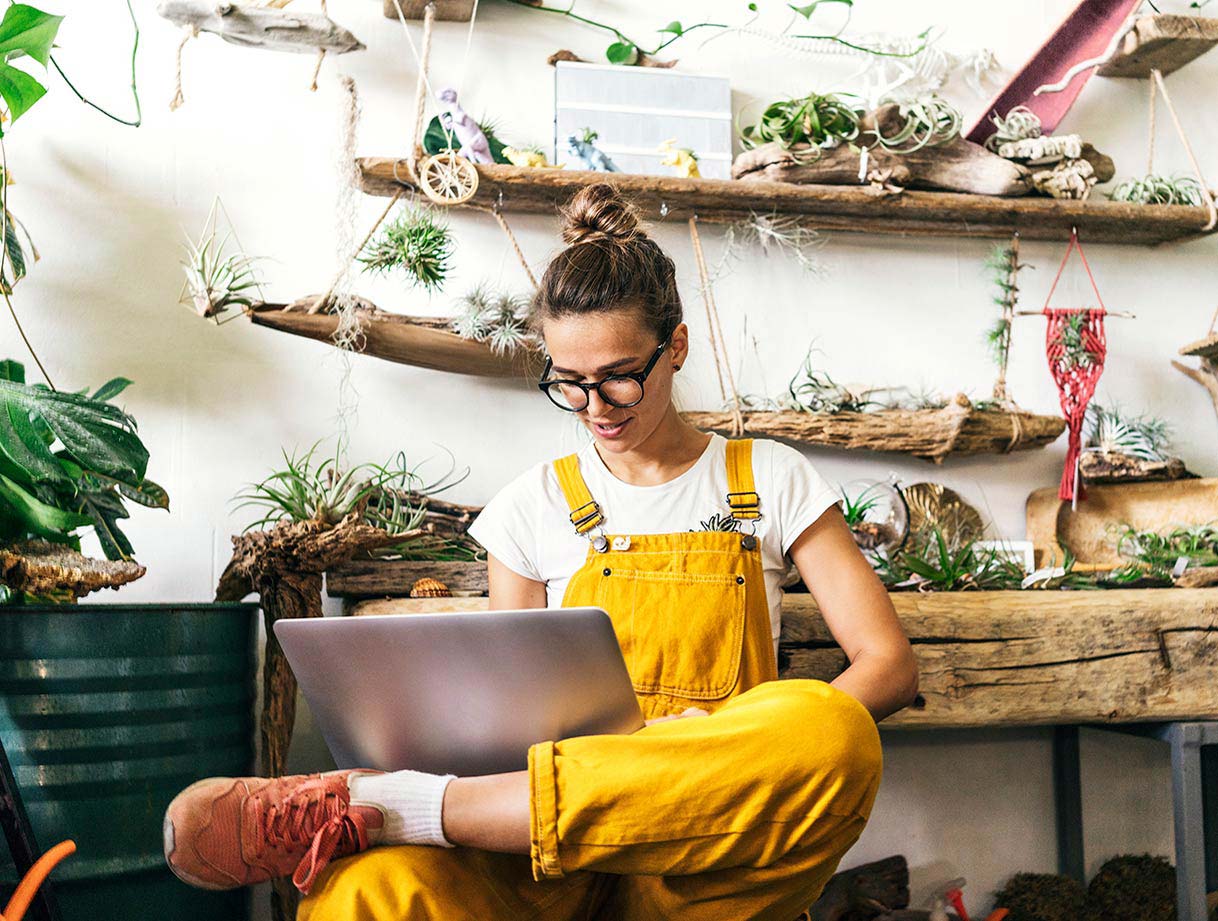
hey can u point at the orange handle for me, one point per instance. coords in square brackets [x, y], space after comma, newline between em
[15, 909]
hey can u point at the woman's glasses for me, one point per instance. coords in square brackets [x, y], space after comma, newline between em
[616, 389]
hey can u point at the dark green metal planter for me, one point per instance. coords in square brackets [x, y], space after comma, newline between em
[107, 711]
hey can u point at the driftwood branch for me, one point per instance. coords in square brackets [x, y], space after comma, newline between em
[40, 567]
[262, 26]
[1206, 376]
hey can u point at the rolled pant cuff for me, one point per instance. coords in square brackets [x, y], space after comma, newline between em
[543, 813]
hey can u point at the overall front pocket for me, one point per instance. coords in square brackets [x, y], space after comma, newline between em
[681, 633]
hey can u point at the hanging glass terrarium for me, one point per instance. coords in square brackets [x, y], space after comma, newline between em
[877, 515]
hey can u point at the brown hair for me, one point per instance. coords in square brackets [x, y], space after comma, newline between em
[609, 264]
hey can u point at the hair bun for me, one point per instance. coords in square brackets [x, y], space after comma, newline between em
[598, 212]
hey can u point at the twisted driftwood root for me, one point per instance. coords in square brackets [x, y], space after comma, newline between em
[40, 567]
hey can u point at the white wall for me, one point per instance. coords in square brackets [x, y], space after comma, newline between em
[109, 208]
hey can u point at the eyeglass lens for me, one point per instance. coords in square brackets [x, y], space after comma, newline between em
[622, 391]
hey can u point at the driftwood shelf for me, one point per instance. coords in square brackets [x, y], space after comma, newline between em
[1015, 658]
[1165, 42]
[931, 434]
[830, 208]
[425, 342]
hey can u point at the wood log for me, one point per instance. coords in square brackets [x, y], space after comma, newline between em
[1164, 42]
[828, 208]
[1015, 658]
[864, 891]
[1088, 530]
[931, 434]
[425, 342]
[1113, 467]
[362, 578]
[955, 166]
[263, 27]
[40, 567]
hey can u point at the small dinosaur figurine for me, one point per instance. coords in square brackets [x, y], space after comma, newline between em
[474, 145]
[684, 159]
[529, 156]
[583, 150]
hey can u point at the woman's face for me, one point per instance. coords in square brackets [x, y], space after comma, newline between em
[591, 347]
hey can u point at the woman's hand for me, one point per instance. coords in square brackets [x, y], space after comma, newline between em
[688, 711]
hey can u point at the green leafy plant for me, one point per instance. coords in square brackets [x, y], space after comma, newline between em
[495, 317]
[68, 461]
[1003, 262]
[1159, 190]
[817, 120]
[856, 507]
[1075, 352]
[1111, 431]
[1157, 551]
[418, 242]
[434, 548]
[814, 391]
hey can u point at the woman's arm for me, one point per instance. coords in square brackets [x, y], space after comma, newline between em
[882, 674]
[510, 591]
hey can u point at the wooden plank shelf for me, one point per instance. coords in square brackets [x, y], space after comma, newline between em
[1014, 658]
[1165, 42]
[830, 208]
[931, 434]
[424, 342]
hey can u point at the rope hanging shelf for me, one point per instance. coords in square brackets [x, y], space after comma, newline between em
[425, 342]
[931, 434]
[1163, 42]
[832, 208]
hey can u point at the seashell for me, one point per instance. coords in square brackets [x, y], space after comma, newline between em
[429, 588]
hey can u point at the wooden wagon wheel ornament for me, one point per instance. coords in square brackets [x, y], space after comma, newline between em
[447, 178]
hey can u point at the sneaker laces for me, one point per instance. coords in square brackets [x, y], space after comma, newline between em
[316, 813]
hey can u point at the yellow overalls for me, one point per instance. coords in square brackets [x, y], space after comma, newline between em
[744, 814]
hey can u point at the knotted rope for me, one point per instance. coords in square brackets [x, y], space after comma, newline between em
[1207, 196]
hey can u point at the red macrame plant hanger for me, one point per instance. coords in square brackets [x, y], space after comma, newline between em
[1076, 373]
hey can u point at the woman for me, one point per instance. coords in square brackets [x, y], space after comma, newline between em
[742, 794]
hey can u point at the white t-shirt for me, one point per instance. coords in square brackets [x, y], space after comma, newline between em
[526, 525]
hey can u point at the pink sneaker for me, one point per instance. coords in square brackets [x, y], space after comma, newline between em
[226, 832]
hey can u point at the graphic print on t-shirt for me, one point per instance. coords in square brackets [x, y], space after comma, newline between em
[719, 522]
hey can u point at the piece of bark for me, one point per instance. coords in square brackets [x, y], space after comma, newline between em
[955, 166]
[40, 567]
[262, 27]
[864, 891]
[643, 61]
[1197, 577]
[931, 434]
[446, 10]
[1112, 467]
[1165, 42]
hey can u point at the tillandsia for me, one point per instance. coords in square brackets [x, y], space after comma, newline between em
[418, 242]
[818, 120]
[1003, 262]
[1020, 123]
[1075, 351]
[778, 233]
[434, 548]
[1112, 431]
[1159, 190]
[929, 121]
[217, 279]
[930, 562]
[1158, 551]
[309, 487]
[496, 318]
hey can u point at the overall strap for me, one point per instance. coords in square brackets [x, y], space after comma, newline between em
[585, 511]
[742, 497]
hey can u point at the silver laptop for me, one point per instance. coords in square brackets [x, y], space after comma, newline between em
[462, 693]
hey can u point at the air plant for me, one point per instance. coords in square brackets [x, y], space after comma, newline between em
[434, 548]
[1159, 190]
[816, 120]
[1065, 576]
[217, 279]
[388, 496]
[817, 392]
[929, 121]
[1075, 352]
[1112, 432]
[787, 234]
[496, 318]
[1158, 551]
[929, 562]
[418, 242]
[1020, 123]
[1003, 262]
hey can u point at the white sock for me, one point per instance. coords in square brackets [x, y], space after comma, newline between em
[413, 803]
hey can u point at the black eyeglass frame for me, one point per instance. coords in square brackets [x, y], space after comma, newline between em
[637, 376]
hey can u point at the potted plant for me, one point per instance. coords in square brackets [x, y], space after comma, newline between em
[106, 711]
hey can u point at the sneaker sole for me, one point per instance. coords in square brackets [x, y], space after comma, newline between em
[168, 842]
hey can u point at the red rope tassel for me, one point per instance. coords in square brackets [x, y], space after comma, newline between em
[1075, 346]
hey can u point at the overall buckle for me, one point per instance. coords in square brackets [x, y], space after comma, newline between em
[744, 505]
[585, 520]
